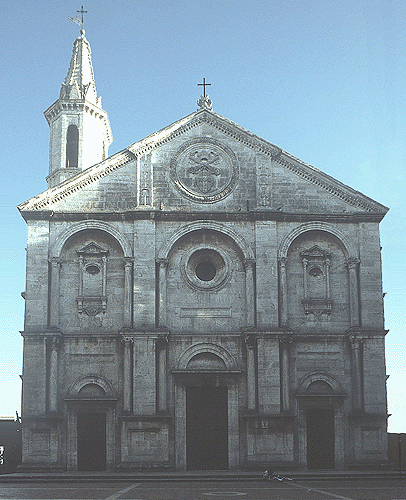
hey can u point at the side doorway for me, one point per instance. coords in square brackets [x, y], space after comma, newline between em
[91, 441]
[320, 438]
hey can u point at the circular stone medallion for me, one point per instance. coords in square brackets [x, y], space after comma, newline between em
[204, 170]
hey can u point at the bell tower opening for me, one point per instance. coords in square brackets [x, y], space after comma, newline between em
[72, 146]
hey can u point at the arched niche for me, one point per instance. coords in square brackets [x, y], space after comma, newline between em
[317, 383]
[206, 361]
[206, 353]
[314, 278]
[91, 281]
[92, 391]
[92, 386]
[198, 261]
[89, 225]
[246, 250]
[347, 245]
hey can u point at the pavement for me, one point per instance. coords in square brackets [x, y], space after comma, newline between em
[190, 476]
[201, 485]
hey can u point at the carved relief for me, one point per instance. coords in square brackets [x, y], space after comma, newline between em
[144, 182]
[264, 185]
[316, 281]
[205, 103]
[204, 170]
[92, 299]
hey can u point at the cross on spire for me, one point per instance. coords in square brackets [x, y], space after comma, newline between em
[81, 11]
[204, 84]
[78, 20]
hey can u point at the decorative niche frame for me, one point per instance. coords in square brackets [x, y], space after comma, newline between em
[316, 281]
[92, 299]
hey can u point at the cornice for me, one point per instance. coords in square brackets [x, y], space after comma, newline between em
[78, 105]
[365, 334]
[175, 215]
[73, 105]
[330, 184]
[77, 183]
[303, 170]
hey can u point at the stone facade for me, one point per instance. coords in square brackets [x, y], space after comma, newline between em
[200, 300]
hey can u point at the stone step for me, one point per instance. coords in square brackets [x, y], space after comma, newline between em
[207, 476]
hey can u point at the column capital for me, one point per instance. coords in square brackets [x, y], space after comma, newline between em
[285, 339]
[127, 338]
[249, 263]
[56, 341]
[249, 340]
[55, 262]
[352, 262]
[162, 341]
[282, 261]
[128, 261]
[163, 263]
[355, 341]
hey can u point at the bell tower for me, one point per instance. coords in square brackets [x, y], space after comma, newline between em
[80, 128]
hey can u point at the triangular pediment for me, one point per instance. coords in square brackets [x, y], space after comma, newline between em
[92, 248]
[288, 170]
[315, 252]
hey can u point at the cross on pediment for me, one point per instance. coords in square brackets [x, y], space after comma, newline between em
[204, 85]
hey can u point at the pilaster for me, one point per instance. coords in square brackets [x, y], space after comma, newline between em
[54, 293]
[250, 345]
[353, 264]
[162, 271]
[285, 342]
[249, 265]
[283, 292]
[53, 373]
[128, 272]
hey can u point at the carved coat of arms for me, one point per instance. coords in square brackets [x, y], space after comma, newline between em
[204, 170]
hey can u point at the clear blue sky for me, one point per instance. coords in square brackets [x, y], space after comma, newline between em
[324, 80]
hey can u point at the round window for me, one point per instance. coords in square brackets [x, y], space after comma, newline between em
[205, 271]
[315, 272]
[92, 269]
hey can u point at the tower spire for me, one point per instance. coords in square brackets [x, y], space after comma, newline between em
[79, 82]
[80, 128]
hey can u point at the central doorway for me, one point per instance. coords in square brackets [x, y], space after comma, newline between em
[91, 441]
[320, 438]
[206, 428]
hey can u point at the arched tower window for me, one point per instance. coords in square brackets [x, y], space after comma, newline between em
[72, 146]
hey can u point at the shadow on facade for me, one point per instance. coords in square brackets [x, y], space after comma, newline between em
[10, 445]
[397, 451]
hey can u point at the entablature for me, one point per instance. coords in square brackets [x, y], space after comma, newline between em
[174, 215]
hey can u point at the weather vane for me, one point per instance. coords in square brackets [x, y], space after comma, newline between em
[79, 20]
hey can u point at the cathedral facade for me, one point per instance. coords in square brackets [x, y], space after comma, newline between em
[199, 300]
